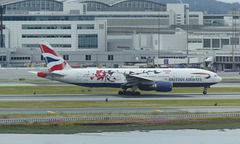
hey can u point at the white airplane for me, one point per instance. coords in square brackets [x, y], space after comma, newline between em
[158, 79]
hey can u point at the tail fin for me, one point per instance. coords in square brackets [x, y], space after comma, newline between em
[52, 59]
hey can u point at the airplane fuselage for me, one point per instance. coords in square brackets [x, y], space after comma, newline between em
[115, 77]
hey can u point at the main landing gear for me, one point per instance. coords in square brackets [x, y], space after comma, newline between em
[129, 93]
[205, 90]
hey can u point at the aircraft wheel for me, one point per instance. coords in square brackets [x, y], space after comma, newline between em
[137, 93]
[204, 92]
[128, 93]
[120, 93]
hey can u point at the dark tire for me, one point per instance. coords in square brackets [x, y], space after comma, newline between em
[129, 93]
[204, 92]
[120, 93]
[138, 93]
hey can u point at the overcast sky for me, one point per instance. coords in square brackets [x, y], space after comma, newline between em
[229, 1]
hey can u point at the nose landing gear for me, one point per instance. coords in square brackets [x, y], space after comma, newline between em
[205, 90]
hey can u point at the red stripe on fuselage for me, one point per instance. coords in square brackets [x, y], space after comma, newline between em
[46, 49]
[201, 73]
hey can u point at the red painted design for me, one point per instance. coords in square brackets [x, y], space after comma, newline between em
[46, 49]
[208, 75]
[100, 74]
[58, 67]
[167, 71]
[201, 73]
[41, 74]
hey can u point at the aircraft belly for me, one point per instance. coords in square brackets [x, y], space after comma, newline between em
[188, 84]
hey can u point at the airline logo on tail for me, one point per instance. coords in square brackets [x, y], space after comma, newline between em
[52, 59]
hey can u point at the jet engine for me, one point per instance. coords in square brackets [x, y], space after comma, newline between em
[159, 86]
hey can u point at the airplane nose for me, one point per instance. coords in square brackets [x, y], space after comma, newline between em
[219, 79]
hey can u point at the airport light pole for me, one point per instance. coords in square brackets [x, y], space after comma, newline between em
[1, 27]
[158, 32]
[187, 24]
[234, 35]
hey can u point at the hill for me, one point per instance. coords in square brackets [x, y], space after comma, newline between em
[206, 6]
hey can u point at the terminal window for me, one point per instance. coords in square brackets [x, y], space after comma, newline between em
[88, 41]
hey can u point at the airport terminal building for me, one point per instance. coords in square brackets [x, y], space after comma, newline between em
[118, 33]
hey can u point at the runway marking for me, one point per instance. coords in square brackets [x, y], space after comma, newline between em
[50, 112]
[158, 110]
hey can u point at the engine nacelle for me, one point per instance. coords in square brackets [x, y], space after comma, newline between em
[163, 86]
[159, 86]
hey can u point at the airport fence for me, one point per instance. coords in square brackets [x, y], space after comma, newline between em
[118, 118]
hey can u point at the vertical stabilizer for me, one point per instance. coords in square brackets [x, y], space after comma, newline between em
[52, 59]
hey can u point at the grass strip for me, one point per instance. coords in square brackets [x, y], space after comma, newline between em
[59, 127]
[8, 90]
[147, 103]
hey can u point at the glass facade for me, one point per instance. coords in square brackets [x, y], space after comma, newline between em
[45, 36]
[3, 58]
[85, 26]
[87, 41]
[76, 18]
[234, 41]
[48, 18]
[53, 45]
[20, 58]
[216, 43]
[225, 42]
[132, 5]
[46, 26]
[227, 59]
[66, 57]
[110, 57]
[88, 57]
[206, 43]
[213, 20]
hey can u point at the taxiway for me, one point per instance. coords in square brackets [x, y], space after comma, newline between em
[111, 97]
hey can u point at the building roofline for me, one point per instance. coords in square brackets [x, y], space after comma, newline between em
[7, 2]
[114, 2]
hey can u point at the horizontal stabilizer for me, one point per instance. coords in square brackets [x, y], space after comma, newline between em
[45, 74]
[34, 72]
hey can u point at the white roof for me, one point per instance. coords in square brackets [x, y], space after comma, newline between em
[107, 2]
[6, 2]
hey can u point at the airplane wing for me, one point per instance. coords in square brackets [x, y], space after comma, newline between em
[134, 80]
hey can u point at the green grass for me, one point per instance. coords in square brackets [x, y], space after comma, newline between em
[148, 103]
[231, 79]
[54, 90]
[120, 125]
[84, 90]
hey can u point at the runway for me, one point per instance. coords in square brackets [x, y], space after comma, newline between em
[111, 97]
